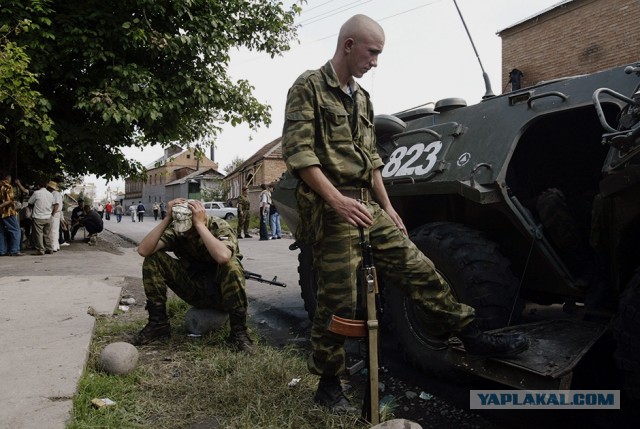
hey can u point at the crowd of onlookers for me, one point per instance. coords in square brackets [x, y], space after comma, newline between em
[34, 218]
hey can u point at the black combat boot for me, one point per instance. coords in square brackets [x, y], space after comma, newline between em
[482, 345]
[330, 395]
[158, 326]
[239, 337]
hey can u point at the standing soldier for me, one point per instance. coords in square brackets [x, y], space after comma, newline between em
[328, 142]
[243, 213]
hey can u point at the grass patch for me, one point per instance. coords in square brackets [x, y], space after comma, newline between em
[199, 383]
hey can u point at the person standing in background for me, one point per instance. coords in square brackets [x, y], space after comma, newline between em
[108, 209]
[119, 211]
[274, 219]
[163, 210]
[41, 202]
[265, 201]
[10, 234]
[133, 209]
[243, 213]
[56, 212]
[156, 208]
[140, 210]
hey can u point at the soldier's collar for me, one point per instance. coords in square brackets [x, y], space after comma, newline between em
[332, 79]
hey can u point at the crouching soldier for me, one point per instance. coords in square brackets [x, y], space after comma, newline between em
[206, 271]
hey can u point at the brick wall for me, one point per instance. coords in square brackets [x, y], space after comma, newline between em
[581, 37]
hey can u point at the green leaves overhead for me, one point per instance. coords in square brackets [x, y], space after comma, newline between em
[112, 74]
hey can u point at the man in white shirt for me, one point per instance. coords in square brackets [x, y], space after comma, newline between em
[56, 213]
[41, 203]
[133, 209]
[265, 202]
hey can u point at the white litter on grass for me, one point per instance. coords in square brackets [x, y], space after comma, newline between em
[123, 307]
[294, 382]
[102, 402]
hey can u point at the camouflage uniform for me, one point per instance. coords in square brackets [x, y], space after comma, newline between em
[243, 215]
[326, 127]
[194, 276]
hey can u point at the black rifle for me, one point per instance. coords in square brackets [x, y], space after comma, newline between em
[257, 277]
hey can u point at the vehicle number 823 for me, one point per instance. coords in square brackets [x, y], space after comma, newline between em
[417, 160]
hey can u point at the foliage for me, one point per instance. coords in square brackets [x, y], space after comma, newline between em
[130, 73]
[235, 163]
[23, 110]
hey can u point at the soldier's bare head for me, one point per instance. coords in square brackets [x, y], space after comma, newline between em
[360, 41]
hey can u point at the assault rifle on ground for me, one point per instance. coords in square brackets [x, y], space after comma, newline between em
[257, 277]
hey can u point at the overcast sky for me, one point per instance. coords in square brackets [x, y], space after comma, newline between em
[427, 57]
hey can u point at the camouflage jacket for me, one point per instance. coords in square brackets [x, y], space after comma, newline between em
[243, 204]
[195, 251]
[326, 127]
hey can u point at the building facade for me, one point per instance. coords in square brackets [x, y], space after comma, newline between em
[573, 37]
[264, 166]
[178, 173]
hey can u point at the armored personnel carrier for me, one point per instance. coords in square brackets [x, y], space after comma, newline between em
[527, 198]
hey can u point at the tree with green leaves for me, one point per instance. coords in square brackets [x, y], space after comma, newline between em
[104, 75]
[235, 163]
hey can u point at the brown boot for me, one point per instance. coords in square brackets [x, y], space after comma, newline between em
[239, 337]
[158, 327]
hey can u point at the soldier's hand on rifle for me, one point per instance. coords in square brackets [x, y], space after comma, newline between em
[353, 211]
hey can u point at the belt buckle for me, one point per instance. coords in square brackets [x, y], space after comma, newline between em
[364, 195]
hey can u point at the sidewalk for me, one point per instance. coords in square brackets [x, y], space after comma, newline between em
[45, 332]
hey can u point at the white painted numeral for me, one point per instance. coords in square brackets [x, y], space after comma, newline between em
[397, 166]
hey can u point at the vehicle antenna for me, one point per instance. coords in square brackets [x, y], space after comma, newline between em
[488, 92]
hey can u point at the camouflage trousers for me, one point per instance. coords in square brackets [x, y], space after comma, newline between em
[399, 263]
[221, 287]
[243, 223]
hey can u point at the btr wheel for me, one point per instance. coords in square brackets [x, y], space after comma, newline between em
[478, 274]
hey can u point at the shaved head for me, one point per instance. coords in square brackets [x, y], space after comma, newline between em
[360, 41]
[357, 27]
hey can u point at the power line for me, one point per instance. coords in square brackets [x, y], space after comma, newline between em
[384, 18]
[333, 12]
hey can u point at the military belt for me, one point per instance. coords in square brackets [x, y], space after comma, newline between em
[361, 194]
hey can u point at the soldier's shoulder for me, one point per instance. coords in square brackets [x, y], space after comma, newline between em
[307, 76]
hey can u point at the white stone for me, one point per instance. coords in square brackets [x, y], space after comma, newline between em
[397, 424]
[200, 321]
[119, 358]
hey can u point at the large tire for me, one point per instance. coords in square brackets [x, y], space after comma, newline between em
[308, 279]
[626, 331]
[478, 274]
